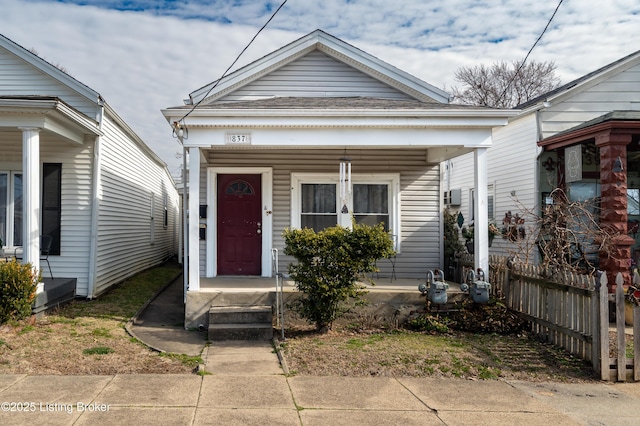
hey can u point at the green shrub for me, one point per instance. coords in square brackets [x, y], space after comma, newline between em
[17, 290]
[330, 262]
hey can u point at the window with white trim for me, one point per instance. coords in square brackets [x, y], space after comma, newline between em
[316, 204]
[491, 204]
[11, 208]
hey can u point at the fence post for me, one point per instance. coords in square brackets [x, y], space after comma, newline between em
[603, 325]
[636, 332]
[622, 352]
[507, 282]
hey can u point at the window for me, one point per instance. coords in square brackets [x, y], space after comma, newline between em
[491, 205]
[11, 220]
[633, 202]
[152, 219]
[165, 213]
[374, 199]
[11, 208]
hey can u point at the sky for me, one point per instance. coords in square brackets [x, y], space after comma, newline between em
[143, 56]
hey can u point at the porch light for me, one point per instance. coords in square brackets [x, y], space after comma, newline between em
[180, 131]
[345, 182]
[617, 165]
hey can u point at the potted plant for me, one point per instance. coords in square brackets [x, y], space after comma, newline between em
[468, 234]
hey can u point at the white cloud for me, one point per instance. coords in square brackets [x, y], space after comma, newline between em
[141, 62]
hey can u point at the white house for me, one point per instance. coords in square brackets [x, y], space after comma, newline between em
[265, 145]
[527, 159]
[72, 169]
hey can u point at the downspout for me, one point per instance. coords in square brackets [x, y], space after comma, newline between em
[441, 208]
[95, 208]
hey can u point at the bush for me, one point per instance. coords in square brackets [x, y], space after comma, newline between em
[17, 290]
[329, 265]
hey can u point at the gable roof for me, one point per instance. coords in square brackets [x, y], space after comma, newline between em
[49, 69]
[577, 84]
[334, 48]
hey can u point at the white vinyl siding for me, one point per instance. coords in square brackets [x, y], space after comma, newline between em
[315, 75]
[18, 78]
[620, 91]
[512, 161]
[130, 181]
[419, 195]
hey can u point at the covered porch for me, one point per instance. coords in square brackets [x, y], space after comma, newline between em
[35, 134]
[600, 160]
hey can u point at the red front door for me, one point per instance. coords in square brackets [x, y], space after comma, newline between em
[239, 225]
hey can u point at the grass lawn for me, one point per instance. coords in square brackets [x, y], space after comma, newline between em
[88, 337]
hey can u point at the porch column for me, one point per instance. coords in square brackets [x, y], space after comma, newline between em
[480, 213]
[31, 196]
[613, 211]
[193, 222]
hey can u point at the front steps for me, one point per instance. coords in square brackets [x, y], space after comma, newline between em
[241, 322]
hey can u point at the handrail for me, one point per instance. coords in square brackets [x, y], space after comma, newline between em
[279, 291]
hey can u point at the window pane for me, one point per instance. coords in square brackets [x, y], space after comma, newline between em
[318, 206]
[633, 202]
[370, 199]
[318, 198]
[373, 219]
[17, 210]
[318, 222]
[3, 207]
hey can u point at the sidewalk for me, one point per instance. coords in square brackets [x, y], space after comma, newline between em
[258, 399]
[244, 384]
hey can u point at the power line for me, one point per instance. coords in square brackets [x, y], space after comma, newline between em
[529, 53]
[176, 124]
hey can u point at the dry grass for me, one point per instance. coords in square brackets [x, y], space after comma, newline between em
[401, 353]
[89, 337]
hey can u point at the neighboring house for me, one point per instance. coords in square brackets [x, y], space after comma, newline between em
[72, 169]
[266, 141]
[597, 115]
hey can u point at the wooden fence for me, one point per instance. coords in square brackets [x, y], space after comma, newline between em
[570, 311]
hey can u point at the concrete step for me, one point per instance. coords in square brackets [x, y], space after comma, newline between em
[240, 314]
[240, 322]
[221, 332]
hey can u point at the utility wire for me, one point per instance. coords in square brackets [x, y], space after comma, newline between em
[529, 53]
[232, 64]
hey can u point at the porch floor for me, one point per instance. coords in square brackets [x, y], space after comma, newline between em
[258, 284]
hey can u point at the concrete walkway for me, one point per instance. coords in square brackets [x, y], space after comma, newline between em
[245, 384]
[259, 398]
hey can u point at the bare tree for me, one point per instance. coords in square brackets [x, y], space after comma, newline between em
[504, 84]
[59, 66]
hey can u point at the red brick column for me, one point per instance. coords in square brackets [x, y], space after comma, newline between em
[613, 205]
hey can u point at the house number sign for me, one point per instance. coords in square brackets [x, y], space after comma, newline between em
[573, 163]
[238, 139]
